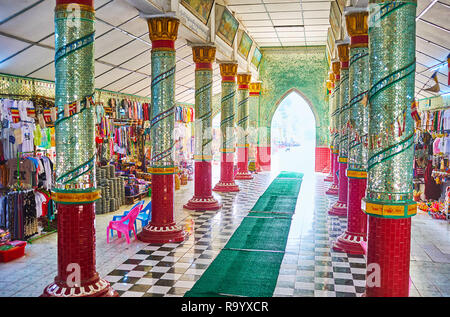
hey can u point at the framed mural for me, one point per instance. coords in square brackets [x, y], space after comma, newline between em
[228, 27]
[200, 8]
[245, 45]
[256, 59]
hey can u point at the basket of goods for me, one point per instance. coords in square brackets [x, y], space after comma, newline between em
[12, 250]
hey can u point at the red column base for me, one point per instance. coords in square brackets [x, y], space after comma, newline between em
[388, 249]
[226, 187]
[203, 203]
[98, 288]
[243, 175]
[350, 243]
[167, 233]
[339, 209]
[333, 190]
[329, 178]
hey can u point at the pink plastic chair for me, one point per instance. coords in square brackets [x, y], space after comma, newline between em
[125, 224]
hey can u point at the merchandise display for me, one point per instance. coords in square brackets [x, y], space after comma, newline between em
[431, 161]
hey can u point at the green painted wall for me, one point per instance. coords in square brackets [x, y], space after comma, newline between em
[302, 69]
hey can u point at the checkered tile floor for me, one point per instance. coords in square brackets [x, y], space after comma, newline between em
[309, 267]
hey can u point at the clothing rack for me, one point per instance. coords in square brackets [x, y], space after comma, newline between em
[18, 165]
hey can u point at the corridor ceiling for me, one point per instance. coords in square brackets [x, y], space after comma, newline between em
[122, 46]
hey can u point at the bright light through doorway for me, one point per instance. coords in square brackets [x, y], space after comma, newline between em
[293, 135]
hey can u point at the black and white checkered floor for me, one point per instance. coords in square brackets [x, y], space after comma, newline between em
[309, 268]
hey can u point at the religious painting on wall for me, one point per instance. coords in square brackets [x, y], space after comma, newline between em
[256, 59]
[245, 45]
[200, 8]
[228, 27]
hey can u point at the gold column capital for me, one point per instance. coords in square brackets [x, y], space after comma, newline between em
[163, 28]
[203, 54]
[228, 69]
[244, 78]
[343, 53]
[357, 27]
[255, 87]
[336, 66]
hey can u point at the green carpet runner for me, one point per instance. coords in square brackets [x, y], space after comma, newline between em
[250, 262]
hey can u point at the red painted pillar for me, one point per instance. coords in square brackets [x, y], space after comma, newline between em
[76, 254]
[75, 193]
[389, 196]
[163, 31]
[340, 207]
[330, 177]
[203, 200]
[388, 254]
[356, 232]
[350, 240]
[334, 188]
[226, 184]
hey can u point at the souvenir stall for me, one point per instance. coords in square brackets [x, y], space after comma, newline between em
[432, 151]
[121, 156]
[26, 164]
[184, 144]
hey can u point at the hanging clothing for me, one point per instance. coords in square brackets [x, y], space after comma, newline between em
[432, 190]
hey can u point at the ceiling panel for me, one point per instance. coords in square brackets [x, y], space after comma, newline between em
[109, 42]
[316, 14]
[288, 6]
[433, 34]
[41, 14]
[249, 8]
[286, 15]
[141, 63]
[117, 12]
[253, 16]
[10, 46]
[140, 86]
[129, 79]
[277, 22]
[47, 72]
[125, 52]
[316, 5]
[27, 61]
[10, 8]
[109, 77]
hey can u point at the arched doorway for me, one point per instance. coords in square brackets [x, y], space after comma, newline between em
[293, 135]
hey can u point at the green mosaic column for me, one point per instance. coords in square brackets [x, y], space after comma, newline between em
[226, 184]
[340, 207]
[75, 185]
[203, 200]
[163, 32]
[333, 190]
[389, 198]
[356, 232]
[329, 84]
[242, 125]
[254, 95]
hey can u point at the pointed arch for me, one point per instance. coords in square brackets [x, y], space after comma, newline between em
[287, 93]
